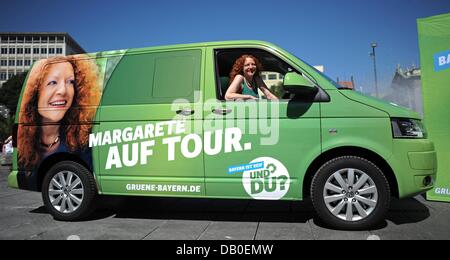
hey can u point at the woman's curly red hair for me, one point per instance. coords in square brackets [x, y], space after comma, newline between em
[77, 122]
[238, 67]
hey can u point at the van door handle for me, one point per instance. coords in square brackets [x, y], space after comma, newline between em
[222, 111]
[185, 112]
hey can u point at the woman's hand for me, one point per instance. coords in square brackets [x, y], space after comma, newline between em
[250, 97]
[240, 97]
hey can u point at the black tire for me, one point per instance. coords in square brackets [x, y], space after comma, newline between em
[324, 174]
[89, 197]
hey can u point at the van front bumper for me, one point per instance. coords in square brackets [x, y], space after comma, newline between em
[414, 162]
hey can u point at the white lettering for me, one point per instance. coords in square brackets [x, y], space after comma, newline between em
[193, 250]
[171, 126]
[197, 146]
[113, 158]
[116, 138]
[246, 249]
[159, 130]
[145, 151]
[180, 127]
[107, 138]
[134, 155]
[171, 141]
[163, 188]
[442, 61]
[191, 145]
[442, 191]
[148, 131]
[232, 140]
[127, 134]
[95, 139]
[138, 133]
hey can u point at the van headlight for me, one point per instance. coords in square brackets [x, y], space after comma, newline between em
[408, 128]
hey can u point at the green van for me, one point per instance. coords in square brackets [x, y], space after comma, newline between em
[159, 121]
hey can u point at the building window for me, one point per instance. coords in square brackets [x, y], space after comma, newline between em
[36, 39]
[11, 63]
[19, 50]
[12, 50]
[3, 63]
[36, 50]
[27, 62]
[264, 77]
[58, 50]
[281, 76]
[43, 50]
[27, 50]
[272, 76]
[3, 76]
[28, 39]
[20, 63]
[51, 50]
[10, 75]
[4, 50]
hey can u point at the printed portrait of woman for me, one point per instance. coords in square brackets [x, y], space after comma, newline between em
[57, 109]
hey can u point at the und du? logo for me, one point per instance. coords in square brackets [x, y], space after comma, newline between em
[442, 61]
[269, 183]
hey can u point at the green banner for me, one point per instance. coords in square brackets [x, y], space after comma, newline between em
[434, 43]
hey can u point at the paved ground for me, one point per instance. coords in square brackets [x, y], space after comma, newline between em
[22, 216]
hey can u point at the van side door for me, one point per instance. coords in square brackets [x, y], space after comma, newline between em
[268, 145]
[148, 103]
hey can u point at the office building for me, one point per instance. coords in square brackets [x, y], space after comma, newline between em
[18, 50]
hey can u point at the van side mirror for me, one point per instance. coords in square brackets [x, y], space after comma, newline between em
[297, 84]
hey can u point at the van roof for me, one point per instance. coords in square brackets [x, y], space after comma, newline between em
[190, 45]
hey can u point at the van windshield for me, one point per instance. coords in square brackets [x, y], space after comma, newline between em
[334, 83]
[330, 80]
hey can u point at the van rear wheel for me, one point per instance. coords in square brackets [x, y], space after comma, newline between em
[350, 193]
[69, 191]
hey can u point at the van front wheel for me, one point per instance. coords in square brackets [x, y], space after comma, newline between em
[350, 193]
[69, 191]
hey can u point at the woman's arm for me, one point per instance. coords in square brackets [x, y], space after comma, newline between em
[265, 89]
[234, 89]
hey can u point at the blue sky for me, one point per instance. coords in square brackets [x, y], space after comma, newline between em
[333, 33]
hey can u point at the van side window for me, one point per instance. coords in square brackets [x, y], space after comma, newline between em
[154, 78]
[272, 74]
[176, 76]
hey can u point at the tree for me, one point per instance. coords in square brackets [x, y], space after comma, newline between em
[9, 97]
[10, 92]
